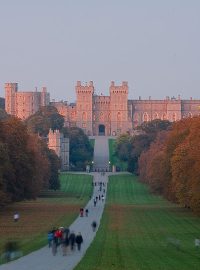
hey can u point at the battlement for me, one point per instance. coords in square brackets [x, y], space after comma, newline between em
[88, 88]
[11, 86]
[119, 89]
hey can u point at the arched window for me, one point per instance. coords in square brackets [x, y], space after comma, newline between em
[174, 117]
[84, 116]
[145, 117]
[164, 117]
[155, 116]
[101, 116]
[118, 116]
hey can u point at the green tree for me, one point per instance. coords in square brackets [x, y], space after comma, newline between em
[44, 119]
[3, 114]
[123, 146]
[81, 151]
[2, 103]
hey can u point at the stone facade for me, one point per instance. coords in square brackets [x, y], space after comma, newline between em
[115, 114]
[24, 104]
[60, 144]
[99, 114]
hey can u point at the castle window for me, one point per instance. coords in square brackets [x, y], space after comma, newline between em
[84, 116]
[145, 117]
[174, 117]
[155, 116]
[101, 116]
[84, 125]
[164, 117]
[118, 116]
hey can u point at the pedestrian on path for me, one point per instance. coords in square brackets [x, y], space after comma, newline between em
[86, 212]
[50, 238]
[94, 225]
[79, 240]
[72, 238]
[81, 212]
[95, 202]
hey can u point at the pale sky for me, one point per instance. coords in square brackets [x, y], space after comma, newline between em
[152, 44]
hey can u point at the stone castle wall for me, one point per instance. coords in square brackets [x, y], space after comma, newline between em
[99, 114]
[24, 104]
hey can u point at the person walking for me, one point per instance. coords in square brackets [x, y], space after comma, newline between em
[50, 238]
[86, 212]
[81, 212]
[94, 225]
[72, 238]
[79, 240]
[65, 241]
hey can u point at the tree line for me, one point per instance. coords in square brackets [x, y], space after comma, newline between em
[167, 158]
[27, 165]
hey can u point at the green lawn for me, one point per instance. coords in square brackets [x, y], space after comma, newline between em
[142, 231]
[39, 216]
[113, 158]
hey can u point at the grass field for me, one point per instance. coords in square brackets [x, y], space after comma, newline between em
[113, 158]
[37, 217]
[142, 231]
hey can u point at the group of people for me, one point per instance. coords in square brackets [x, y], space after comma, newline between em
[99, 197]
[65, 239]
[82, 211]
[68, 240]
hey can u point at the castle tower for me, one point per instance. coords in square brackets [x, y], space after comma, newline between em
[60, 145]
[45, 97]
[119, 108]
[55, 141]
[10, 97]
[84, 105]
[64, 153]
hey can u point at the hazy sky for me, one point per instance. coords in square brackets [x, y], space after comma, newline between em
[152, 44]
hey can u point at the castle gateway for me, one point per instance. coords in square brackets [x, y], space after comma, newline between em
[102, 115]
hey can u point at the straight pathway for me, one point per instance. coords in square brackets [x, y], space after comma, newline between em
[101, 153]
[43, 259]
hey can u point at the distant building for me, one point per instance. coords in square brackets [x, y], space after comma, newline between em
[99, 114]
[115, 114]
[60, 145]
[24, 104]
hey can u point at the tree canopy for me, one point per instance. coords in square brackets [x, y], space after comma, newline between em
[129, 148]
[23, 165]
[45, 119]
[2, 103]
[171, 165]
[81, 151]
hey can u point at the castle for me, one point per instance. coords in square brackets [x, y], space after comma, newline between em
[101, 115]
[24, 104]
[60, 145]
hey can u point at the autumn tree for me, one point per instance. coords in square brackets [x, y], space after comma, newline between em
[24, 167]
